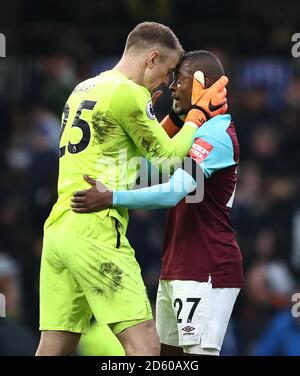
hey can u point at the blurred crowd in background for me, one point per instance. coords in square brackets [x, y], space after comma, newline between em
[49, 52]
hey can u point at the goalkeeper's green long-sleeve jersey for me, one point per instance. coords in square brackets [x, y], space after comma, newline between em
[108, 122]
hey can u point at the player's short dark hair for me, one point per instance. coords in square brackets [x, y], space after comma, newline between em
[207, 62]
[146, 34]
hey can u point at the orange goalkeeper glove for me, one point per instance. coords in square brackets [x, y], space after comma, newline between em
[207, 103]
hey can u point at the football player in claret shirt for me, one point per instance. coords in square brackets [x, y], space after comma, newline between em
[201, 273]
[88, 266]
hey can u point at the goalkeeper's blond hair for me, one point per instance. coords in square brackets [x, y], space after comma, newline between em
[146, 35]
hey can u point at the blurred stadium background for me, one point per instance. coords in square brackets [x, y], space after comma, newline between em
[51, 46]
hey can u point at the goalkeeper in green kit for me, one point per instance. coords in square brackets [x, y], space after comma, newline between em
[88, 266]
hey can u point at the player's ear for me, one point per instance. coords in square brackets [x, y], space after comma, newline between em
[153, 58]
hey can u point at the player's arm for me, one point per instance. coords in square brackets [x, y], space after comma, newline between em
[211, 151]
[158, 196]
[139, 122]
[138, 119]
[154, 197]
[212, 147]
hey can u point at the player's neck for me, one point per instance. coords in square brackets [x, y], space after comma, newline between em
[131, 69]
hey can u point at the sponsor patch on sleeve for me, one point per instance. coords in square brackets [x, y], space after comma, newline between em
[150, 111]
[200, 150]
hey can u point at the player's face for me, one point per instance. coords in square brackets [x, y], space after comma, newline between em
[159, 70]
[181, 88]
